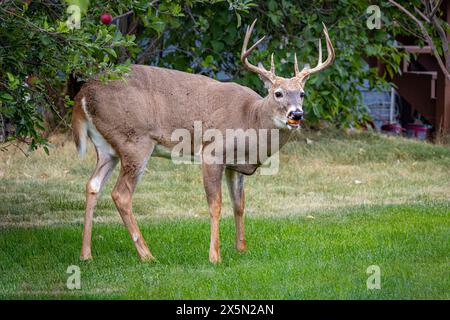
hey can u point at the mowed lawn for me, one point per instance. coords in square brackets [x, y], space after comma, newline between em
[339, 204]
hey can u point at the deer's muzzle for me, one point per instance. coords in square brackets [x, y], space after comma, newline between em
[294, 119]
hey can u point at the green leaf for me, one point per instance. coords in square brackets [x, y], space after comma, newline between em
[6, 96]
[217, 45]
[10, 76]
[158, 26]
[111, 52]
[239, 19]
[207, 62]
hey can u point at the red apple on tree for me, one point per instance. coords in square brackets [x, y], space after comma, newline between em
[106, 18]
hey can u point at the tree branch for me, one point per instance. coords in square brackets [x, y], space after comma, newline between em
[4, 1]
[424, 17]
[427, 37]
[435, 9]
[441, 32]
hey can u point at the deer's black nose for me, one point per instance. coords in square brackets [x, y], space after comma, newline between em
[296, 115]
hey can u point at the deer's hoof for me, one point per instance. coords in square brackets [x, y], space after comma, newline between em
[215, 261]
[241, 246]
[214, 258]
[148, 258]
[85, 257]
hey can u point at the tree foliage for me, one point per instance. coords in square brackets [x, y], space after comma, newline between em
[39, 51]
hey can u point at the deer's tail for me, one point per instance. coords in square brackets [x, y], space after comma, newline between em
[80, 125]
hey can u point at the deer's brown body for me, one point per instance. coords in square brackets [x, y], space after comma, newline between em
[134, 119]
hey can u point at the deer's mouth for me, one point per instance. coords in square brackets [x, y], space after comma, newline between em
[293, 123]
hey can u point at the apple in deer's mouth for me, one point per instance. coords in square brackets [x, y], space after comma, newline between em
[293, 124]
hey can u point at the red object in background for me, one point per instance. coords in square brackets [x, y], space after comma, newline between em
[416, 131]
[106, 18]
[392, 128]
[30, 80]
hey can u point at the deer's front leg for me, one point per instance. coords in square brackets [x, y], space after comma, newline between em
[212, 180]
[235, 181]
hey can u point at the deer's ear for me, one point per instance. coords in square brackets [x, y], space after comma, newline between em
[267, 82]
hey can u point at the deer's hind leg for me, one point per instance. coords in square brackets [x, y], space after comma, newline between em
[133, 161]
[105, 166]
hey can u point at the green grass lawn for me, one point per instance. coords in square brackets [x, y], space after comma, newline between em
[362, 200]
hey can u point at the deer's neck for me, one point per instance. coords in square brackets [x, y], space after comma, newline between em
[260, 118]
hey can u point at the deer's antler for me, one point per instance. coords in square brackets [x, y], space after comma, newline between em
[270, 75]
[320, 65]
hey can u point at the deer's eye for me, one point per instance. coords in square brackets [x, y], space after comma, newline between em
[302, 94]
[278, 94]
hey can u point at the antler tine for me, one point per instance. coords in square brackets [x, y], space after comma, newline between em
[272, 65]
[320, 52]
[330, 50]
[246, 52]
[297, 72]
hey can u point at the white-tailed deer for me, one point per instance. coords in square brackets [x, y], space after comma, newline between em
[132, 120]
